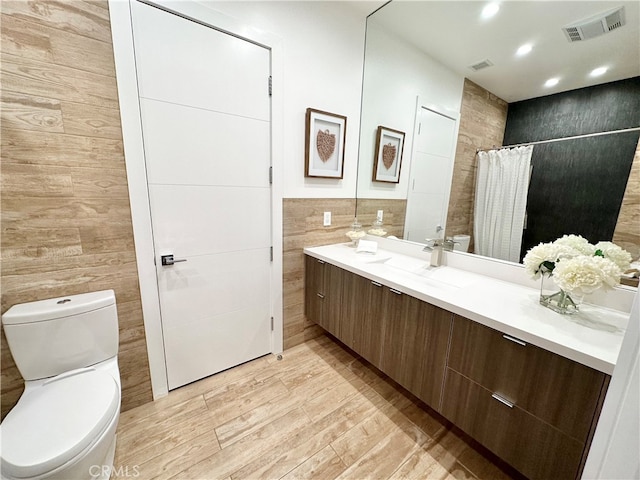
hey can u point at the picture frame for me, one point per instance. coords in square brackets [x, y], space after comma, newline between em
[388, 155]
[324, 144]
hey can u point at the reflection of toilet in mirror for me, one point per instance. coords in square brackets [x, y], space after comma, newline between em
[461, 243]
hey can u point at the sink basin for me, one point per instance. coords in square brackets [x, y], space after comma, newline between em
[453, 276]
[421, 268]
[371, 258]
[407, 264]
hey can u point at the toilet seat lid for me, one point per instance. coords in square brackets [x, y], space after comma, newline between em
[54, 422]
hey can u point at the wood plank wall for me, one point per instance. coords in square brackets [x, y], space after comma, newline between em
[66, 220]
[483, 117]
[302, 227]
[394, 212]
[627, 232]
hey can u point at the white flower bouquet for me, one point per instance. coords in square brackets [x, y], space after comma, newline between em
[577, 266]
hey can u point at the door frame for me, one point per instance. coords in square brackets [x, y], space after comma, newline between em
[445, 112]
[126, 76]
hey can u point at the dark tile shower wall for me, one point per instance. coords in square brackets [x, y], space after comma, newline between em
[577, 186]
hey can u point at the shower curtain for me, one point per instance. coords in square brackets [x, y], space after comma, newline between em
[500, 201]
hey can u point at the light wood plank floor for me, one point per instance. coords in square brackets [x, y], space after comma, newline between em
[320, 412]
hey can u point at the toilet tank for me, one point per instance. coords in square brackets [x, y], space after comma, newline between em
[49, 337]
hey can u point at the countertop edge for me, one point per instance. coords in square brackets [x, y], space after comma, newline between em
[598, 363]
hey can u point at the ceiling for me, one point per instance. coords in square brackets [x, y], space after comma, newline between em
[453, 33]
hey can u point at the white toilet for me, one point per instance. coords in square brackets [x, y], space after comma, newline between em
[64, 425]
[461, 243]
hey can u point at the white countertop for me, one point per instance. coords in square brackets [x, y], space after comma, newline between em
[592, 336]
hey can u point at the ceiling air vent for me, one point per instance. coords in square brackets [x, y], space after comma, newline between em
[595, 26]
[480, 65]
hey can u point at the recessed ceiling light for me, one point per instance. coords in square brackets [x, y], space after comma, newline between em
[490, 10]
[524, 49]
[598, 71]
[551, 82]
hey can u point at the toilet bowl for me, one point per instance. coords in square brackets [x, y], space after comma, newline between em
[64, 424]
[461, 243]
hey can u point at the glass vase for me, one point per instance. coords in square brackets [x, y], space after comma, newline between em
[377, 228]
[557, 299]
[356, 232]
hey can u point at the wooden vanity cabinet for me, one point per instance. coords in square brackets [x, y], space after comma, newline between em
[402, 336]
[314, 289]
[362, 322]
[334, 278]
[533, 447]
[414, 347]
[342, 304]
[533, 408]
[323, 294]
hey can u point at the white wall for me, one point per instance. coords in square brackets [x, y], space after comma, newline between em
[323, 52]
[317, 52]
[396, 73]
[615, 449]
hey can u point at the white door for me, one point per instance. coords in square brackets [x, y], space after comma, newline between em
[430, 177]
[205, 109]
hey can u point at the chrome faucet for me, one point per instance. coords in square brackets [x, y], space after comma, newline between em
[436, 246]
[445, 244]
[433, 243]
[449, 243]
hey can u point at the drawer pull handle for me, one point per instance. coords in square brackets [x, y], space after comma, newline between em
[397, 292]
[502, 400]
[376, 284]
[320, 295]
[515, 340]
[320, 261]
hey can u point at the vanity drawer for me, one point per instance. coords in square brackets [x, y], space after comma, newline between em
[323, 294]
[530, 445]
[555, 389]
[415, 341]
[314, 288]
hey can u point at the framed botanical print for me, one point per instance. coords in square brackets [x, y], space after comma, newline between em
[324, 144]
[389, 146]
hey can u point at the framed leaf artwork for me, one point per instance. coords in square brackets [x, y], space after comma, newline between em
[389, 146]
[324, 144]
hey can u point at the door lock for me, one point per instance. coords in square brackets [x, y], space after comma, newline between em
[169, 260]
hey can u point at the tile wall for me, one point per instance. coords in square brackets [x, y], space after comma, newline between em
[302, 227]
[66, 220]
[627, 232]
[483, 117]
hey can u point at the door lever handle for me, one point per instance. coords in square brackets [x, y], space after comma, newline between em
[169, 260]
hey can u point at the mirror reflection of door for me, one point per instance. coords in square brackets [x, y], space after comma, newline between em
[430, 177]
[404, 59]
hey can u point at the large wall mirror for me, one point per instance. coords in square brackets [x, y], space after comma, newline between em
[455, 77]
